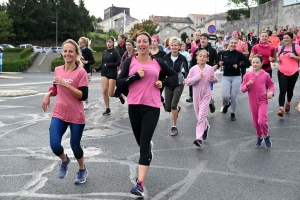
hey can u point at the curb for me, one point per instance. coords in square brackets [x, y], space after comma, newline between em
[298, 106]
[10, 77]
[17, 93]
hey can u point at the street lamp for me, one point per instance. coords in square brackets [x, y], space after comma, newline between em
[56, 27]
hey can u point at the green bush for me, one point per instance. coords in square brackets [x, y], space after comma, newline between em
[99, 48]
[57, 62]
[17, 65]
[26, 52]
[13, 50]
[97, 57]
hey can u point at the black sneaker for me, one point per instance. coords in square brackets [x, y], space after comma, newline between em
[198, 143]
[258, 143]
[225, 108]
[107, 112]
[138, 189]
[212, 106]
[122, 100]
[232, 117]
[189, 100]
[205, 134]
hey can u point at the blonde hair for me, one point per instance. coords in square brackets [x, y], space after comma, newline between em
[87, 42]
[203, 50]
[77, 50]
[174, 39]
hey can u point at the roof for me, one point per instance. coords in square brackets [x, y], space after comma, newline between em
[220, 16]
[186, 28]
[199, 15]
[171, 19]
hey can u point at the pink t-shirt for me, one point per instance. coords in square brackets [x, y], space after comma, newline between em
[288, 66]
[67, 107]
[265, 52]
[239, 46]
[144, 91]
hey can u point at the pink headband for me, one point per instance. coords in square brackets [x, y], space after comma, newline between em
[236, 32]
[156, 38]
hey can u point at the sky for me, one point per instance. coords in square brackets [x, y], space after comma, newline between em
[143, 9]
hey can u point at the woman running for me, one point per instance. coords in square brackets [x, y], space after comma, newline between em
[121, 44]
[141, 78]
[87, 60]
[233, 61]
[288, 71]
[255, 83]
[167, 48]
[200, 78]
[110, 61]
[267, 52]
[173, 93]
[70, 85]
[155, 51]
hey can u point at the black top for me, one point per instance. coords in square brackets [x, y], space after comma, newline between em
[87, 55]
[188, 46]
[160, 54]
[231, 58]
[112, 59]
[122, 49]
[212, 55]
[167, 76]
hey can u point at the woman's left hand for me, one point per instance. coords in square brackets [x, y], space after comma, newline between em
[158, 84]
[61, 82]
[235, 66]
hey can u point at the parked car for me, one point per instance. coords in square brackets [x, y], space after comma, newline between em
[56, 49]
[46, 49]
[4, 46]
[24, 46]
[1, 48]
[37, 49]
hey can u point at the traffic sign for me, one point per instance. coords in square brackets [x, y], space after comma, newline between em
[211, 29]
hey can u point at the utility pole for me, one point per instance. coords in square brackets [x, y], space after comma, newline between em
[56, 27]
[124, 22]
[258, 22]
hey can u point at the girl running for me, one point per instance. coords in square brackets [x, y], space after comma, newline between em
[267, 52]
[154, 47]
[87, 60]
[110, 61]
[141, 78]
[200, 77]
[70, 85]
[231, 81]
[288, 71]
[255, 83]
[172, 93]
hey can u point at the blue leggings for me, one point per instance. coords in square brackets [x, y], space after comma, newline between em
[57, 129]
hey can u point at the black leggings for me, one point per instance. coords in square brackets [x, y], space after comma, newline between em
[143, 121]
[191, 91]
[286, 86]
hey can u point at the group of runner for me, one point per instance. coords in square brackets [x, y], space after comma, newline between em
[141, 71]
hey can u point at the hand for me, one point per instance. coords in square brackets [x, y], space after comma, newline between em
[158, 84]
[270, 95]
[235, 66]
[46, 102]
[271, 59]
[184, 80]
[94, 70]
[61, 82]
[212, 77]
[119, 71]
[141, 72]
[291, 55]
[251, 81]
[201, 75]
[221, 63]
[104, 64]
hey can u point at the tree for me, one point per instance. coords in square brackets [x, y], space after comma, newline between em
[6, 28]
[147, 25]
[112, 32]
[183, 36]
[3, 6]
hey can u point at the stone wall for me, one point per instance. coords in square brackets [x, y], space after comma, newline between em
[270, 14]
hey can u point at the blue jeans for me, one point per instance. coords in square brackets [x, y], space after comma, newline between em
[57, 129]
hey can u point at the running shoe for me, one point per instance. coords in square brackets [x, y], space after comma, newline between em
[174, 131]
[212, 106]
[189, 100]
[198, 143]
[205, 134]
[86, 106]
[81, 176]
[151, 150]
[63, 169]
[107, 111]
[221, 110]
[258, 143]
[280, 113]
[268, 142]
[287, 107]
[232, 117]
[225, 108]
[122, 100]
[138, 189]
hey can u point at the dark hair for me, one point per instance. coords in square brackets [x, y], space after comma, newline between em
[220, 37]
[259, 57]
[123, 36]
[110, 38]
[205, 35]
[289, 33]
[146, 34]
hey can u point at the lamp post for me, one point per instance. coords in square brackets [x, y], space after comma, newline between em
[258, 22]
[56, 27]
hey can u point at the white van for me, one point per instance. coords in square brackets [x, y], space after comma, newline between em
[24, 46]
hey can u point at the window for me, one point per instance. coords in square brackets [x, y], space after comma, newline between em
[201, 19]
[180, 25]
[186, 25]
[167, 32]
[174, 24]
[197, 19]
[192, 35]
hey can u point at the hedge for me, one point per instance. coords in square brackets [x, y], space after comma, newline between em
[99, 48]
[26, 52]
[13, 50]
[17, 65]
[57, 62]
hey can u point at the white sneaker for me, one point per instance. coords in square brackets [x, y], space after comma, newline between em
[86, 106]
[221, 110]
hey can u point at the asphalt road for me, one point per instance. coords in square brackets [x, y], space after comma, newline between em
[227, 167]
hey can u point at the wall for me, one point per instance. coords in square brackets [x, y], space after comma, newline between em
[271, 14]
